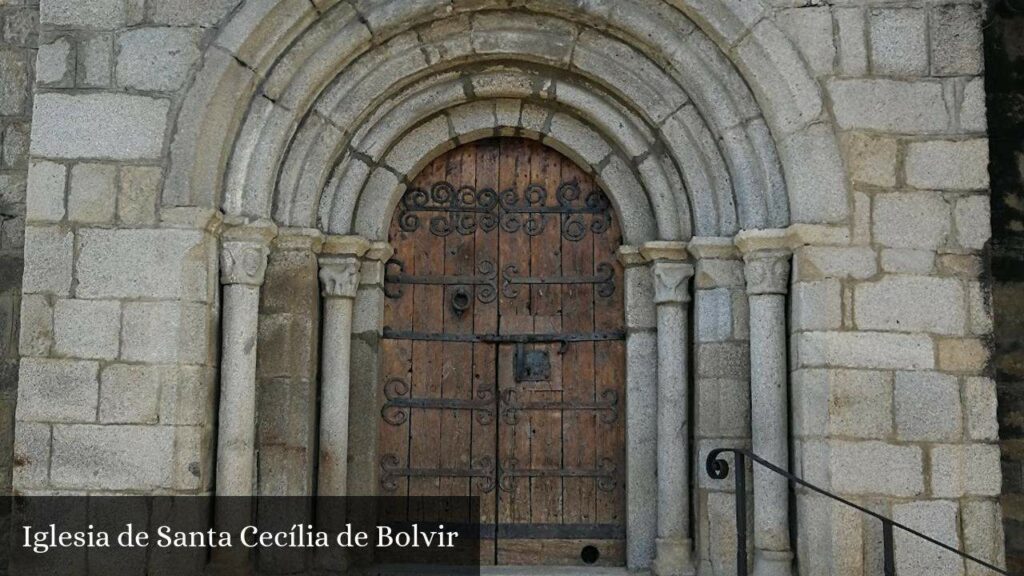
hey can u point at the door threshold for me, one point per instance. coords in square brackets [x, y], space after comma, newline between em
[557, 571]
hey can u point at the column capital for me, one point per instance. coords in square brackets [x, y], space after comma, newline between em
[670, 281]
[339, 276]
[243, 253]
[767, 271]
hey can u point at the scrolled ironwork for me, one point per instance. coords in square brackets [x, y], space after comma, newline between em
[607, 406]
[482, 470]
[485, 281]
[397, 403]
[466, 210]
[604, 474]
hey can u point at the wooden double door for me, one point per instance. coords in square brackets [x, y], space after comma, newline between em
[503, 356]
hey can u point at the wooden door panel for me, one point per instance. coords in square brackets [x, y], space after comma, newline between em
[506, 252]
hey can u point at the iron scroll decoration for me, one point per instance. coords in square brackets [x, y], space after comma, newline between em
[467, 209]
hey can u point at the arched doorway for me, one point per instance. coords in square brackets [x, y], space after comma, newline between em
[503, 352]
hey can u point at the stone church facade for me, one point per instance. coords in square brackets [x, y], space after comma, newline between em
[209, 199]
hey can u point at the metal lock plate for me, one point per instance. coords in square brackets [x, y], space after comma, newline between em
[532, 365]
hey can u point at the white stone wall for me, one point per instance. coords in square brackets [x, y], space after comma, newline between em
[892, 403]
[119, 315]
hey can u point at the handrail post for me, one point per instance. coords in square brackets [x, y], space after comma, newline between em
[887, 547]
[741, 514]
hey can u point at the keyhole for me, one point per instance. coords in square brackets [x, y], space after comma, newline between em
[589, 554]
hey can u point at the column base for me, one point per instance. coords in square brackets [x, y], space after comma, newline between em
[773, 563]
[673, 557]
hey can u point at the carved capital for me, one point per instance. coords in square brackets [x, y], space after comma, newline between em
[243, 262]
[671, 281]
[767, 271]
[339, 277]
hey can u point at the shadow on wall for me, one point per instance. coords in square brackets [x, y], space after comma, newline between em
[1004, 83]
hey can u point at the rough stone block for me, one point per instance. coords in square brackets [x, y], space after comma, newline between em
[31, 455]
[917, 557]
[138, 197]
[723, 360]
[112, 457]
[92, 194]
[928, 407]
[87, 328]
[49, 252]
[187, 395]
[980, 408]
[811, 30]
[965, 470]
[157, 59]
[53, 63]
[15, 89]
[170, 332]
[188, 12]
[876, 468]
[117, 126]
[45, 196]
[143, 264]
[914, 107]
[713, 315]
[130, 394]
[908, 261]
[865, 350]
[36, 326]
[854, 403]
[911, 304]
[947, 165]
[972, 107]
[817, 262]
[871, 159]
[83, 13]
[816, 186]
[723, 407]
[15, 145]
[982, 523]
[95, 61]
[963, 355]
[899, 41]
[956, 40]
[57, 390]
[853, 54]
[973, 221]
[718, 273]
[816, 305]
[911, 220]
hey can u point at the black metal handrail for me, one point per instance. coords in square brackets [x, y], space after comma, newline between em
[718, 469]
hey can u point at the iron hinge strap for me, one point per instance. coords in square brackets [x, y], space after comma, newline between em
[390, 334]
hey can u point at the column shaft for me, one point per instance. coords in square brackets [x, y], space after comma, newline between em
[334, 397]
[236, 434]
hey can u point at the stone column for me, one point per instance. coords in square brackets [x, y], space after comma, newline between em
[674, 545]
[766, 258]
[339, 276]
[243, 264]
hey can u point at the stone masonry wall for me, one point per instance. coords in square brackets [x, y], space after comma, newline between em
[19, 21]
[119, 315]
[1004, 50]
[893, 400]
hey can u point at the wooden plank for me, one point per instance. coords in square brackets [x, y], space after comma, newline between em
[485, 321]
[560, 552]
[610, 374]
[514, 317]
[428, 314]
[578, 372]
[546, 307]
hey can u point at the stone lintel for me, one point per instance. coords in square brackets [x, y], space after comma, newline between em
[354, 246]
[304, 239]
[192, 218]
[772, 239]
[713, 247]
[668, 250]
